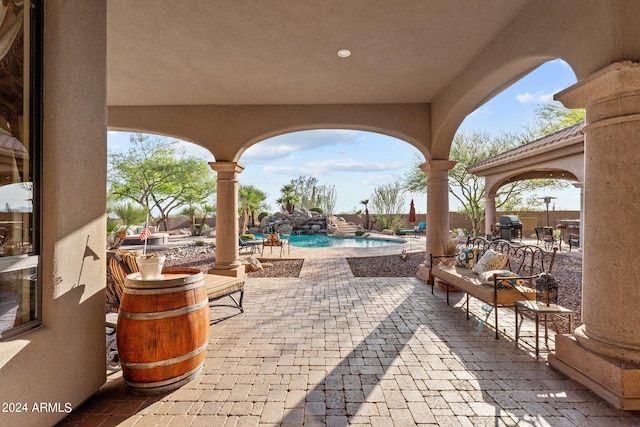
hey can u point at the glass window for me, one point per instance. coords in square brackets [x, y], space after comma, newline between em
[19, 150]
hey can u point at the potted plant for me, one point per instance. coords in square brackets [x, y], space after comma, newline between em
[150, 266]
[449, 248]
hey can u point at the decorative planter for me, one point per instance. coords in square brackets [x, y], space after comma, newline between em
[150, 267]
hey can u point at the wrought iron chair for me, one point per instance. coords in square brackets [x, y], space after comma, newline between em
[252, 245]
[278, 237]
[545, 235]
[119, 264]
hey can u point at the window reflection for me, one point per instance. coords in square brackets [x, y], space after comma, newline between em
[18, 278]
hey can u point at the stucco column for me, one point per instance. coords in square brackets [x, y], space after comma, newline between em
[437, 209]
[227, 261]
[489, 213]
[608, 343]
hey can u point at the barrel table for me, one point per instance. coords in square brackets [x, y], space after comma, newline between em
[163, 329]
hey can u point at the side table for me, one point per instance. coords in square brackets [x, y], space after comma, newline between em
[541, 310]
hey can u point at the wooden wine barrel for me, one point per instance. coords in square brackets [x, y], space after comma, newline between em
[163, 329]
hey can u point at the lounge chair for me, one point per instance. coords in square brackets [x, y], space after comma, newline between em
[419, 229]
[252, 244]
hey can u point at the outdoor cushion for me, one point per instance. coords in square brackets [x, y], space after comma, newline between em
[487, 277]
[490, 260]
[467, 281]
[467, 258]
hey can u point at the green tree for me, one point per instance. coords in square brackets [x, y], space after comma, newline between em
[326, 198]
[311, 194]
[250, 201]
[289, 198]
[206, 209]
[387, 202]
[159, 176]
[469, 189]
[129, 214]
[304, 187]
[121, 216]
[472, 147]
[553, 116]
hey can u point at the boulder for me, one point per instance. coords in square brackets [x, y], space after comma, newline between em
[253, 264]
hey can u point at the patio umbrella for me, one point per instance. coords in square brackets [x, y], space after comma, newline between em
[412, 219]
[412, 213]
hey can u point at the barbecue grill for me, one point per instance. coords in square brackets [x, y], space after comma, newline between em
[510, 227]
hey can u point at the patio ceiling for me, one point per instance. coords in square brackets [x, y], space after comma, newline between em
[285, 52]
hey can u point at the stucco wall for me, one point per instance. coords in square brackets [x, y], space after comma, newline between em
[63, 362]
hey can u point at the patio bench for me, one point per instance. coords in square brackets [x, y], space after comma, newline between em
[501, 286]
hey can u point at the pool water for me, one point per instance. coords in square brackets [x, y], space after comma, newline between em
[323, 241]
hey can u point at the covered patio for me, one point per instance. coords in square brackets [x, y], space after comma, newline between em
[329, 349]
[226, 75]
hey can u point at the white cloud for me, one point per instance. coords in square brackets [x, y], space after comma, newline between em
[349, 165]
[482, 112]
[323, 167]
[283, 146]
[286, 170]
[378, 180]
[560, 62]
[529, 98]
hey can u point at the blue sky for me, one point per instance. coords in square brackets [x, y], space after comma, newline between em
[356, 162]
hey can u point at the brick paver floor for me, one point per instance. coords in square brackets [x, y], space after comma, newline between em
[328, 349]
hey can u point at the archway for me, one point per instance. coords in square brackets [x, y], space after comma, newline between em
[353, 161]
[559, 155]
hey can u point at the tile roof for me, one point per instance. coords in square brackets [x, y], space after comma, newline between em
[544, 144]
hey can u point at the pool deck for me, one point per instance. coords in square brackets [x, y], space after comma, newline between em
[330, 349]
[412, 244]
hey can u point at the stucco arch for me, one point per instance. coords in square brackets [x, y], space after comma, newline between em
[559, 155]
[329, 126]
[148, 132]
[448, 112]
[227, 131]
[514, 53]
[494, 182]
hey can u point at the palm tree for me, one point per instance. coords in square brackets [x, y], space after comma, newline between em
[129, 213]
[126, 215]
[250, 200]
[205, 209]
[289, 198]
[190, 212]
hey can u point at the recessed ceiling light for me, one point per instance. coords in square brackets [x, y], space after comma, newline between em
[344, 53]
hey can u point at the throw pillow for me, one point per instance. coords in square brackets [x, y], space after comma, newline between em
[490, 260]
[467, 258]
[487, 277]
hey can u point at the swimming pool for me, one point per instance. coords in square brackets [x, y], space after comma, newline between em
[323, 241]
